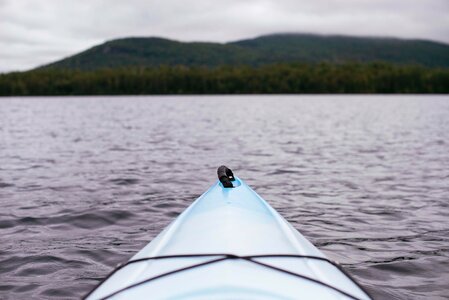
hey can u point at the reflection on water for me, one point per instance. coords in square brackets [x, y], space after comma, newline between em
[86, 182]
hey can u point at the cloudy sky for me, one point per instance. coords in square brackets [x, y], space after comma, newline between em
[36, 32]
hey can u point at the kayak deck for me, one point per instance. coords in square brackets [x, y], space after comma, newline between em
[234, 221]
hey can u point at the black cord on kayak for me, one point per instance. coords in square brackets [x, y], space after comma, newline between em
[222, 257]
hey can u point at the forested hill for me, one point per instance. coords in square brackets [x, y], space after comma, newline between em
[270, 49]
[273, 64]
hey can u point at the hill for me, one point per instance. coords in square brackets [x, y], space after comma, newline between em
[291, 78]
[277, 48]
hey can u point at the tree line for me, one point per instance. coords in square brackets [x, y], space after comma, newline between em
[268, 79]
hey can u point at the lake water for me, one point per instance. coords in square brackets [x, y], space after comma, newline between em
[87, 182]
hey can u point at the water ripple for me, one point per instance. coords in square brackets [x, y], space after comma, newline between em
[87, 182]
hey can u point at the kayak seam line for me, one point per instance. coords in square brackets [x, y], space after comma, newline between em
[281, 222]
[176, 223]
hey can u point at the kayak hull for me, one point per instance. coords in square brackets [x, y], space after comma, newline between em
[233, 221]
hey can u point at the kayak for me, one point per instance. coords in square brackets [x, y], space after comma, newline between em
[229, 244]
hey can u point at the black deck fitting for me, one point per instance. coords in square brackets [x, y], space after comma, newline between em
[225, 176]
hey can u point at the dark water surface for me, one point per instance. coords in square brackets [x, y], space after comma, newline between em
[87, 182]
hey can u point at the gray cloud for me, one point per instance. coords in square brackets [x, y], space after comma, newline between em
[37, 32]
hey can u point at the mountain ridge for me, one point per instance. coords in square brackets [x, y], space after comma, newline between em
[262, 50]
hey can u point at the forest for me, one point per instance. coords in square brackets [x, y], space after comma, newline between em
[287, 78]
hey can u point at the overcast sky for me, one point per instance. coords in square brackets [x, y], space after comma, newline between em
[36, 32]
